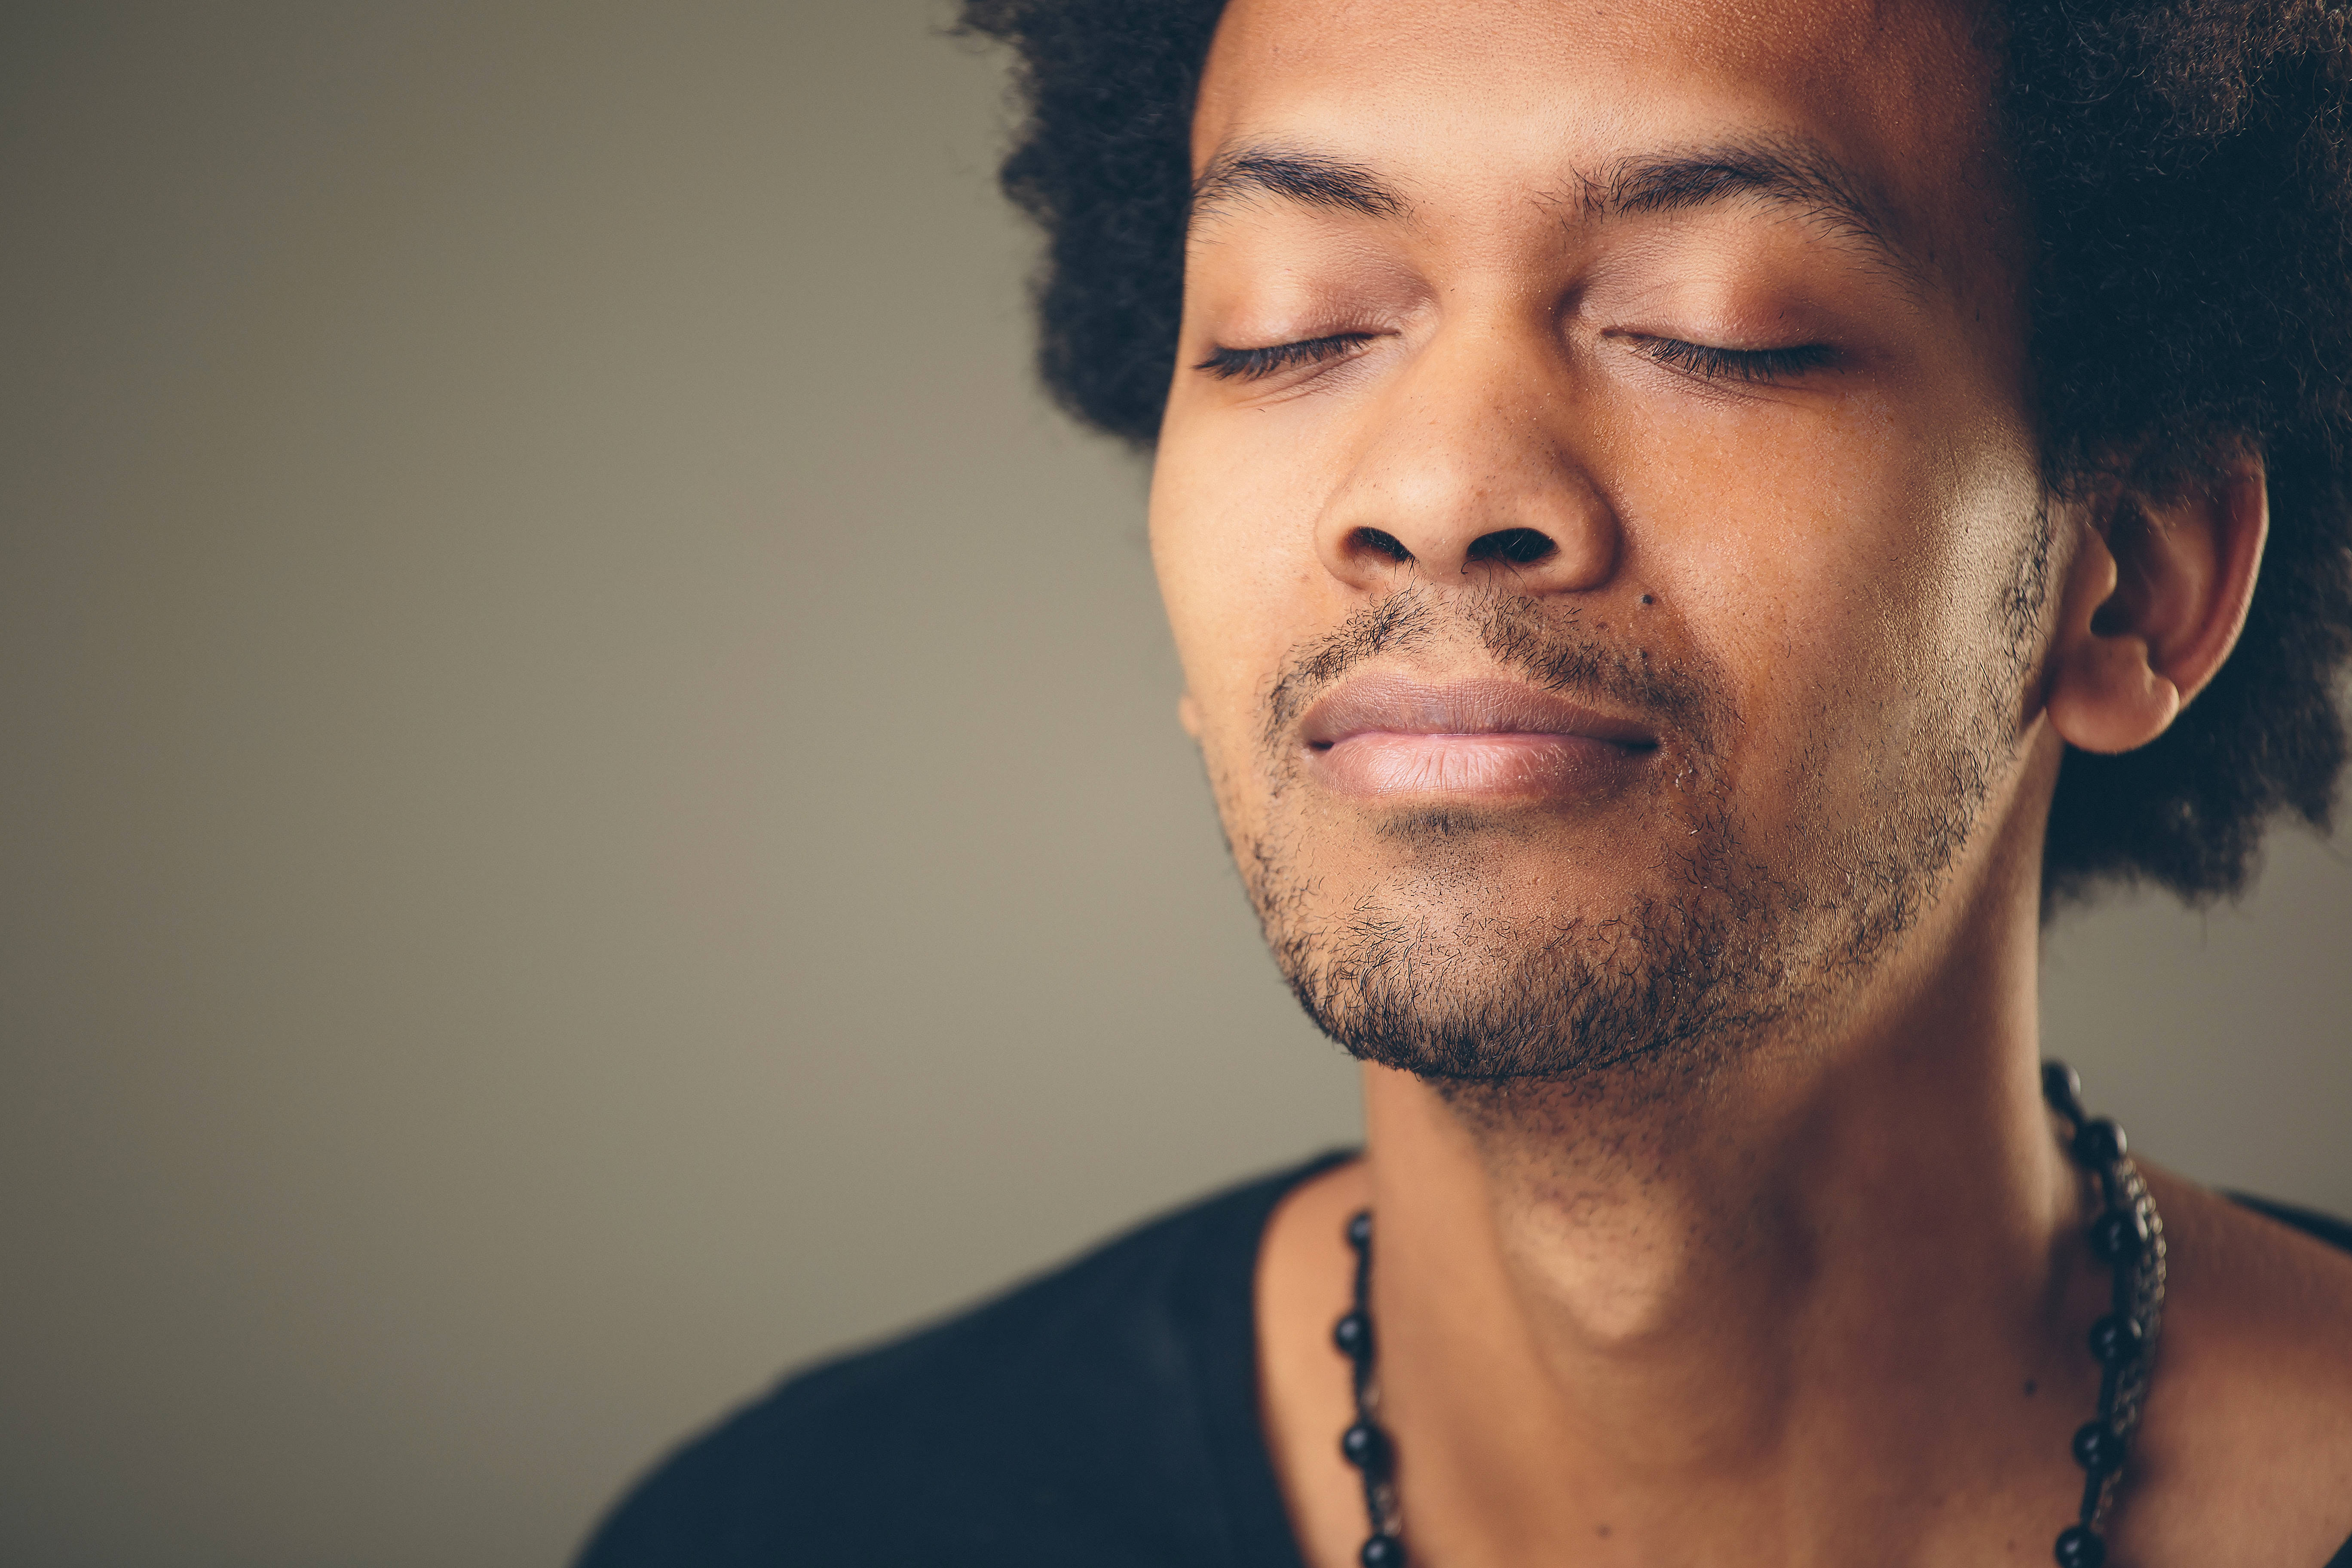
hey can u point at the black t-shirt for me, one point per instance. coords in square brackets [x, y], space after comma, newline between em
[1103, 1416]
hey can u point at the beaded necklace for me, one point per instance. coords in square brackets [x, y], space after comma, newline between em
[2127, 1237]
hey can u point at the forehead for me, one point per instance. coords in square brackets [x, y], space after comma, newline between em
[1471, 103]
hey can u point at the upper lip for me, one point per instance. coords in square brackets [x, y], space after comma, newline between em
[1398, 704]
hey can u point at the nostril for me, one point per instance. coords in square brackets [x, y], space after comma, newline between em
[1380, 543]
[1519, 546]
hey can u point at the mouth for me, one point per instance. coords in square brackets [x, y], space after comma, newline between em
[1390, 736]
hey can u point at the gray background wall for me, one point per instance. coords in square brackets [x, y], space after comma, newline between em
[589, 804]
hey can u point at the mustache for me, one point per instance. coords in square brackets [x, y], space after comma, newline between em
[1547, 646]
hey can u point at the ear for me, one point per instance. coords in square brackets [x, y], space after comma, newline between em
[2153, 603]
[1188, 713]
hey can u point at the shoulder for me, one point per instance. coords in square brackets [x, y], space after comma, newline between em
[1073, 1419]
[2246, 1451]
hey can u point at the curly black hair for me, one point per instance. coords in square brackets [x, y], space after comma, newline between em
[2186, 171]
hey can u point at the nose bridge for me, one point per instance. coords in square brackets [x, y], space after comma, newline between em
[1471, 463]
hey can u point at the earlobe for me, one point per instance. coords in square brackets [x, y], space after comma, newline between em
[2105, 695]
[1188, 713]
[2153, 603]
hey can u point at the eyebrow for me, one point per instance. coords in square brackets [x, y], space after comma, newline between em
[1792, 173]
[1308, 179]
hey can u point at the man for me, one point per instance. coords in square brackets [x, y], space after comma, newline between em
[1689, 525]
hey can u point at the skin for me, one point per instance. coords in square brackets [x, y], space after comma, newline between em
[1822, 1300]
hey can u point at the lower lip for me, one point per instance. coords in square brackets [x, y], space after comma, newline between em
[1384, 763]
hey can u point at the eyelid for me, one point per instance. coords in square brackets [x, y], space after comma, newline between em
[1710, 363]
[1706, 361]
[1255, 363]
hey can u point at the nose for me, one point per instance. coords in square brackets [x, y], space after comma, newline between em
[1467, 467]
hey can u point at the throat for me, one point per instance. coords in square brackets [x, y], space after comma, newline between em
[1609, 1310]
[1599, 1259]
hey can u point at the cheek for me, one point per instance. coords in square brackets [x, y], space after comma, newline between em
[1232, 546]
[1777, 539]
[1841, 570]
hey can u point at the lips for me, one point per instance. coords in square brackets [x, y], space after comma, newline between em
[1395, 736]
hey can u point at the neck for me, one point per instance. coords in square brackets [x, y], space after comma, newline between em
[1602, 1302]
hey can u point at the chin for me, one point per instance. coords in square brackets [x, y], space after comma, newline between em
[1482, 943]
[1437, 971]
[1468, 869]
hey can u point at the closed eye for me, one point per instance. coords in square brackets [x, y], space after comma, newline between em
[1252, 365]
[1702, 359]
[1711, 363]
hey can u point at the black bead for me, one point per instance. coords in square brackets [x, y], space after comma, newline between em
[2062, 1088]
[1382, 1551]
[1366, 1447]
[2116, 1238]
[2080, 1548]
[2098, 1449]
[1353, 1335]
[2099, 1143]
[1359, 1229]
[2115, 1340]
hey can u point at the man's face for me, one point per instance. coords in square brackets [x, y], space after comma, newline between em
[1596, 507]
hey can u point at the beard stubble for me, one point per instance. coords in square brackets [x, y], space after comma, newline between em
[1728, 942]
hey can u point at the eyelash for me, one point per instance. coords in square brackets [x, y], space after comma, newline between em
[1254, 364]
[1701, 360]
[1737, 364]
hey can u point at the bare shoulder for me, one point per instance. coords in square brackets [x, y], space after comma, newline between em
[1304, 1263]
[1305, 1275]
[2245, 1452]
